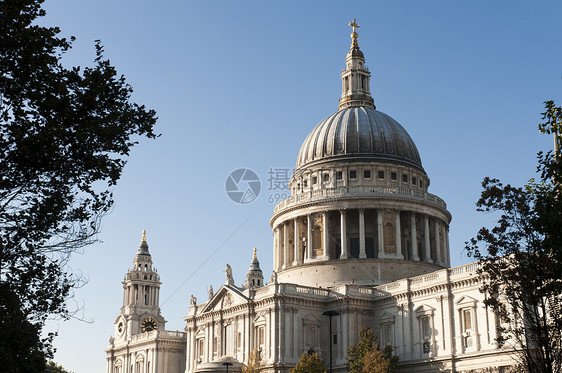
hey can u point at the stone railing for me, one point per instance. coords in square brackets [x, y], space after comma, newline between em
[298, 289]
[158, 334]
[358, 191]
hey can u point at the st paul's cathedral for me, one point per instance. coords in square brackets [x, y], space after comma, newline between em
[359, 239]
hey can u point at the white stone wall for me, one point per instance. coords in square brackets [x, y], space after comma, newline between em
[292, 322]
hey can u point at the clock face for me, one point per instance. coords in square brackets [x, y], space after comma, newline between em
[120, 327]
[148, 325]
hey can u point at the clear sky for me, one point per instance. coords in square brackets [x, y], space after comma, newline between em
[466, 79]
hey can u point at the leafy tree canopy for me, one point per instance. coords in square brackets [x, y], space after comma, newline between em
[56, 368]
[64, 136]
[309, 364]
[366, 355]
[521, 257]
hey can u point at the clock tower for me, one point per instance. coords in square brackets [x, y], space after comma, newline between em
[140, 312]
[141, 344]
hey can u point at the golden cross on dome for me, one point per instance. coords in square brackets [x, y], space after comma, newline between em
[354, 25]
[255, 255]
[144, 235]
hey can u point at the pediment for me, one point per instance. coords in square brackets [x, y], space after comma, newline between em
[424, 309]
[311, 319]
[387, 317]
[200, 333]
[466, 300]
[226, 297]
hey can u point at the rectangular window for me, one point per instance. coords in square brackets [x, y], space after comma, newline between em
[353, 174]
[200, 346]
[380, 175]
[314, 180]
[310, 336]
[393, 176]
[261, 337]
[367, 174]
[414, 180]
[305, 183]
[339, 175]
[467, 320]
[388, 334]
[425, 328]
[326, 177]
[467, 327]
[404, 178]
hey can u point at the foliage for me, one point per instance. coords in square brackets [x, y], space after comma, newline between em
[366, 355]
[255, 363]
[64, 137]
[309, 364]
[379, 361]
[521, 258]
[56, 368]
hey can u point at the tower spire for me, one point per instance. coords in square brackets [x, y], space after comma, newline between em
[356, 76]
[254, 277]
[143, 246]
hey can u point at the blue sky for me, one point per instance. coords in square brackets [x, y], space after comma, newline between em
[467, 81]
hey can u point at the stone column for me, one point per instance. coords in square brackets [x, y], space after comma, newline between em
[437, 244]
[427, 248]
[380, 234]
[296, 242]
[325, 235]
[286, 245]
[362, 251]
[414, 236]
[279, 249]
[398, 237]
[447, 248]
[343, 235]
[309, 237]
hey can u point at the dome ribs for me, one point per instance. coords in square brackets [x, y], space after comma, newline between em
[359, 132]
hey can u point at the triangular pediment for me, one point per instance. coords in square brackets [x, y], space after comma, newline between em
[424, 309]
[226, 297]
[311, 319]
[386, 317]
[466, 300]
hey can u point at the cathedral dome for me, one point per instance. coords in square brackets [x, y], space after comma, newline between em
[359, 134]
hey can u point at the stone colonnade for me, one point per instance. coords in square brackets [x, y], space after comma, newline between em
[360, 233]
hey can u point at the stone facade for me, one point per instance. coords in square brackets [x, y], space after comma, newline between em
[361, 236]
[436, 322]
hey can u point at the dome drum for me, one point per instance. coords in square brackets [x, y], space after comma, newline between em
[360, 230]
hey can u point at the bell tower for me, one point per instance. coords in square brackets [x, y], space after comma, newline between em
[140, 312]
[254, 277]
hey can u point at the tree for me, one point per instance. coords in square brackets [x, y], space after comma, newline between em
[521, 257]
[64, 136]
[366, 355]
[255, 363]
[379, 361]
[56, 368]
[309, 364]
